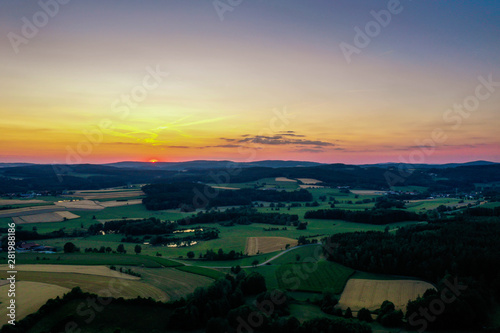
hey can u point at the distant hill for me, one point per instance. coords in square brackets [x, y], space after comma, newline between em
[11, 165]
[430, 166]
[204, 164]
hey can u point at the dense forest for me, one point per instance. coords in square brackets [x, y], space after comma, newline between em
[241, 216]
[375, 216]
[467, 250]
[189, 196]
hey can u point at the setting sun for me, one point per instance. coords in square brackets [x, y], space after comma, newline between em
[153, 161]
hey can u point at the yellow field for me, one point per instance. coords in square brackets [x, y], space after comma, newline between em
[309, 181]
[30, 296]
[79, 269]
[267, 244]
[8, 202]
[44, 217]
[101, 285]
[284, 179]
[370, 294]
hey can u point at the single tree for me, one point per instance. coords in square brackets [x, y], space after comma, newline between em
[137, 249]
[190, 254]
[120, 248]
[70, 248]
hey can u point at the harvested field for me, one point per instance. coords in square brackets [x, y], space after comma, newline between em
[45, 217]
[364, 293]
[79, 269]
[67, 215]
[309, 181]
[107, 194]
[8, 202]
[267, 244]
[30, 296]
[80, 205]
[284, 179]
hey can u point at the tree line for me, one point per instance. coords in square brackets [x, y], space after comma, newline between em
[374, 216]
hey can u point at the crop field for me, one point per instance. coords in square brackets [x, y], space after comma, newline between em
[173, 282]
[315, 277]
[45, 217]
[367, 293]
[267, 244]
[29, 211]
[309, 181]
[108, 194]
[284, 179]
[78, 269]
[30, 296]
[100, 285]
[10, 202]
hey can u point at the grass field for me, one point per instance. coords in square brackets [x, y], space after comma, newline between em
[364, 293]
[208, 272]
[30, 296]
[78, 269]
[92, 259]
[429, 204]
[315, 277]
[100, 285]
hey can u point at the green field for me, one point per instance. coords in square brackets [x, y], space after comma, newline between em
[315, 277]
[172, 281]
[92, 259]
[211, 273]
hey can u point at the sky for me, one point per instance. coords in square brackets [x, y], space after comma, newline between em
[328, 81]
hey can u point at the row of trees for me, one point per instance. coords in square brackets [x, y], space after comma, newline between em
[375, 216]
[189, 196]
[241, 216]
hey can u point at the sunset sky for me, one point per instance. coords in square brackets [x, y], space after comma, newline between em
[269, 81]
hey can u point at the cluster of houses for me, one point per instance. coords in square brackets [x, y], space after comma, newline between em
[34, 247]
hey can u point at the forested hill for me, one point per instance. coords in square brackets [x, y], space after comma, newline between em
[87, 176]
